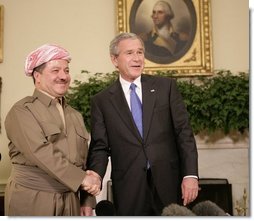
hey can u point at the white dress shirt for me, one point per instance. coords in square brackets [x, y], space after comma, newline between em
[126, 88]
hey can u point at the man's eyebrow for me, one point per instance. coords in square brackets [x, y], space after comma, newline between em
[130, 50]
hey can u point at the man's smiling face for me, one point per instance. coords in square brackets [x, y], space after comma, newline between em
[130, 59]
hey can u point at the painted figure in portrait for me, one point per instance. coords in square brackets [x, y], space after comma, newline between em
[170, 31]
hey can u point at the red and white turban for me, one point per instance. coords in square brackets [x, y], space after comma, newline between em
[44, 54]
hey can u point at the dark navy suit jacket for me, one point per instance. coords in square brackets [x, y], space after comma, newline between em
[168, 143]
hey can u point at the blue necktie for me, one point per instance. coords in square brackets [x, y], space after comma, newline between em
[136, 108]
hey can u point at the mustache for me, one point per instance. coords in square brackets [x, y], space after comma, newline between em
[60, 81]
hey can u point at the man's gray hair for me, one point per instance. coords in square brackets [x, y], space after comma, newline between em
[113, 48]
[167, 8]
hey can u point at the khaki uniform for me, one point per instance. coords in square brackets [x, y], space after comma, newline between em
[47, 158]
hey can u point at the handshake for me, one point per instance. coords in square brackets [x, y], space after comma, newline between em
[92, 183]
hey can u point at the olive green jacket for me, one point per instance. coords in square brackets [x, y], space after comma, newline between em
[42, 146]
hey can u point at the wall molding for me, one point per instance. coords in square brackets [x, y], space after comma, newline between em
[218, 140]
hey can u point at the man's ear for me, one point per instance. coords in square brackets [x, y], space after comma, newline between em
[114, 60]
[36, 75]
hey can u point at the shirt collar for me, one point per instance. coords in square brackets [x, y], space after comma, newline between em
[168, 27]
[126, 84]
[45, 98]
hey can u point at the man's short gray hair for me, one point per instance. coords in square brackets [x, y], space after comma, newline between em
[113, 48]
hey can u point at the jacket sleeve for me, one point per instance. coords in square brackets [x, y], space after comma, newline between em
[184, 135]
[87, 199]
[98, 149]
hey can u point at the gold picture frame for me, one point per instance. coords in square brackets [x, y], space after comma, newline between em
[0, 100]
[192, 24]
[1, 31]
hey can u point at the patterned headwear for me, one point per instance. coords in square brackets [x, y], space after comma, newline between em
[44, 54]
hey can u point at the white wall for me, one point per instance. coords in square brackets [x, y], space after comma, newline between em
[85, 28]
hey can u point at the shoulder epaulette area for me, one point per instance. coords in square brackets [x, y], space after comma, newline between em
[26, 100]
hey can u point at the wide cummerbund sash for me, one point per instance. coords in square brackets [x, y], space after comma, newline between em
[35, 178]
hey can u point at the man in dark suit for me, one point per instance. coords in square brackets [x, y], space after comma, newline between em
[153, 167]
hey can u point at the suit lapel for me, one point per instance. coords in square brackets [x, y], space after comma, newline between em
[148, 100]
[120, 104]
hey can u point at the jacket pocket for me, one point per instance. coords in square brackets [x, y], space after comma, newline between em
[51, 131]
[81, 132]
[82, 138]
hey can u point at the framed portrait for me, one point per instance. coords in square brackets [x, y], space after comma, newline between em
[176, 33]
[1, 31]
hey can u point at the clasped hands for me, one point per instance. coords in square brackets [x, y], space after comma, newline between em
[92, 183]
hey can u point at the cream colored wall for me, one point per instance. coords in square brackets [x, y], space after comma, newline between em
[85, 28]
[230, 32]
